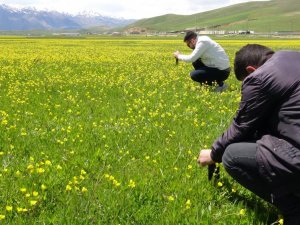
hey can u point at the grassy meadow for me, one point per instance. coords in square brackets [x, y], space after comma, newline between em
[107, 131]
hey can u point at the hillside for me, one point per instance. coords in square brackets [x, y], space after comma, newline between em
[269, 16]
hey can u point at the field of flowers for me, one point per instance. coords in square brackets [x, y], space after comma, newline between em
[107, 131]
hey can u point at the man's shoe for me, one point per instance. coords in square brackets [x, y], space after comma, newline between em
[221, 88]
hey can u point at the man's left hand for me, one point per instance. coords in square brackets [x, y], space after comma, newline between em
[204, 158]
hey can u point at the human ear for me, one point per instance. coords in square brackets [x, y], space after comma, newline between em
[250, 69]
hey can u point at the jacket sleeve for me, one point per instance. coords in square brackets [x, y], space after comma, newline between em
[254, 106]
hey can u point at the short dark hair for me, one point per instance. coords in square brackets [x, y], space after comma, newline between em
[250, 55]
[189, 35]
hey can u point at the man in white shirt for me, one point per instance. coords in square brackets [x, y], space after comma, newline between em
[209, 59]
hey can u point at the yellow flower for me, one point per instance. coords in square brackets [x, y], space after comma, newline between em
[30, 167]
[8, 208]
[18, 173]
[43, 187]
[171, 198]
[220, 184]
[19, 209]
[82, 172]
[33, 202]
[188, 204]
[190, 167]
[48, 162]
[35, 193]
[116, 183]
[1, 153]
[2, 217]
[280, 221]
[84, 189]
[58, 167]
[23, 190]
[131, 184]
[242, 212]
[68, 188]
[40, 170]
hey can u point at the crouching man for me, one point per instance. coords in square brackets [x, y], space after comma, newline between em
[261, 147]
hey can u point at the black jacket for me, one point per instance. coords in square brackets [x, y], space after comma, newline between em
[269, 111]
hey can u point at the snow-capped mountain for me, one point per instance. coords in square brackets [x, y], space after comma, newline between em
[32, 19]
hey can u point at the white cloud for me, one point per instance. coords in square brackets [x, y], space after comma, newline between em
[131, 9]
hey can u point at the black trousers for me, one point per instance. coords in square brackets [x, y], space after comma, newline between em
[239, 160]
[208, 75]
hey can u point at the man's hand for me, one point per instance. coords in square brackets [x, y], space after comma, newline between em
[175, 54]
[204, 158]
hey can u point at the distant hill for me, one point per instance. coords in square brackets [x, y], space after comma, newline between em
[12, 19]
[269, 16]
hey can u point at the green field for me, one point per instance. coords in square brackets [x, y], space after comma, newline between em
[102, 131]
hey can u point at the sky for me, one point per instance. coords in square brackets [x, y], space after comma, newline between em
[127, 9]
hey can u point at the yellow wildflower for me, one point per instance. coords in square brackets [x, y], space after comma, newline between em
[2, 217]
[19, 209]
[40, 170]
[68, 188]
[84, 189]
[18, 173]
[33, 202]
[48, 163]
[171, 198]
[9, 208]
[242, 212]
[131, 184]
[30, 167]
[188, 204]
[43, 187]
[58, 167]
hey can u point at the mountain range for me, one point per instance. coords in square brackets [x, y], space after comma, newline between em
[32, 19]
[259, 16]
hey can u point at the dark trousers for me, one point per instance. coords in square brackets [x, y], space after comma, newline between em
[239, 160]
[208, 75]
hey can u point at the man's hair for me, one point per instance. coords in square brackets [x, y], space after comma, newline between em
[189, 35]
[250, 55]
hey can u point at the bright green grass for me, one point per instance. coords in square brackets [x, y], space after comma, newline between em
[108, 132]
[259, 16]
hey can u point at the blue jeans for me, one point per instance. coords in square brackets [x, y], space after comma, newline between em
[239, 160]
[208, 75]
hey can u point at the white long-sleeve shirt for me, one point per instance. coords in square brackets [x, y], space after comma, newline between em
[210, 52]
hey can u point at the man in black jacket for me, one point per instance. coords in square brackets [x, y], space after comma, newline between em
[261, 147]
